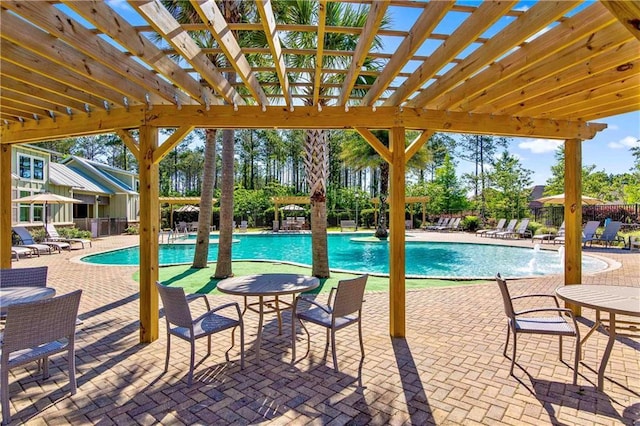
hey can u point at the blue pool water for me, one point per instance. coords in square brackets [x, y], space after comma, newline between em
[424, 259]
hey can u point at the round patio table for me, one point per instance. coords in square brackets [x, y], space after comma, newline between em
[17, 294]
[604, 298]
[268, 288]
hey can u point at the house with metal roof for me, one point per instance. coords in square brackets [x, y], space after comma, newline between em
[108, 196]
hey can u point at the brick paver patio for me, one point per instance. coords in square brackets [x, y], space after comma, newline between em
[448, 371]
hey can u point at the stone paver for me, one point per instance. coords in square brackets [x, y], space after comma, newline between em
[449, 370]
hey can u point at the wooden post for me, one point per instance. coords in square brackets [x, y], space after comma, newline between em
[573, 215]
[5, 206]
[397, 306]
[149, 222]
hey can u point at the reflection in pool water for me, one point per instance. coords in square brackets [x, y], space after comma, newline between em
[424, 259]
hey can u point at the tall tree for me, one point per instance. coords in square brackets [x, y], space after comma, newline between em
[316, 149]
[512, 181]
[446, 193]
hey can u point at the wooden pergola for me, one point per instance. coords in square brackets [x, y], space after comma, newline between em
[544, 72]
[284, 200]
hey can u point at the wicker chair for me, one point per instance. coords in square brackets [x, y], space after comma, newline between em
[181, 324]
[24, 277]
[34, 331]
[523, 322]
[341, 311]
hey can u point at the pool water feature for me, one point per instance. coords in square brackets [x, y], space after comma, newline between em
[423, 259]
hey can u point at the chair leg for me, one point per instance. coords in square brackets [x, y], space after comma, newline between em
[45, 367]
[333, 350]
[192, 362]
[208, 345]
[360, 336]
[4, 395]
[293, 337]
[72, 369]
[242, 345]
[560, 347]
[513, 357]
[166, 358]
[575, 362]
[507, 343]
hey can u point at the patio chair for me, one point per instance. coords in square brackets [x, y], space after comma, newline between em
[27, 241]
[608, 236]
[509, 229]
[340, 311]
[438, 223]
[18, 251]
[24, 277]
[181, 324]
[243, 226]
[499, 227]
[53, 235]
[549, 236]
[33, 332]
[520, 232]
[588, 232]
[529, 322]
[444, 225]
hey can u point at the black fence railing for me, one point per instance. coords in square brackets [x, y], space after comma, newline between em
[102, 226]
[628, 214]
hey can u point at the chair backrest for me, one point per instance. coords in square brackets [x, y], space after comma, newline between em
[506, 297]
[500, 224]
[590, 229]
[349, 296]
[23, 234]
[523, 225]
[512, 225]
[32, 324]
[176, 307]
[24, 277]
[610, 231]
[243, 223]
[446, 220]
[52, 231]
[455, 223]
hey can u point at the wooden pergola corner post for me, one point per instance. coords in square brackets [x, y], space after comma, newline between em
[5, 206]
[397, 308]
[573, 215]
[149, 223]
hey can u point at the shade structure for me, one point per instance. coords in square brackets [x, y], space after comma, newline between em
[188, 209]
[291, 207]
[559, 199]
[45, 198]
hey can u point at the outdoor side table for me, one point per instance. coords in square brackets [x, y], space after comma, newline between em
[268, 288]
[611, 299]
[17, 294]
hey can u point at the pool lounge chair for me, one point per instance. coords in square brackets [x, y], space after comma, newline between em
[454, 225]
[588, 232]
[608, 236]
[53, 236]
[438, 223]
[499, 227]
[510, 228]
[27, 241]
[443, 225]
[18, 251]
[549, 236]
[520, 232]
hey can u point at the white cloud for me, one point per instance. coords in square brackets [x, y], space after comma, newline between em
[627, 142]
[540, 146]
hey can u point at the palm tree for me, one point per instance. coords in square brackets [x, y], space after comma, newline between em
[357, 153]
[316, 147]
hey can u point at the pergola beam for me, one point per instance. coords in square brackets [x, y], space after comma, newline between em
[627, 13]
[176, 137]
[317, 74]
[302, 117]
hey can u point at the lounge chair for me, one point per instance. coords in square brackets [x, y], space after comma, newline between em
[445, 223]
[520, 232]
[454, 225]
[438, 223]
[53, 236]
[18, 251]
[608, 236]
[27, 241]
[243, 226]
[509, 229]
[499, 227]
[549, 236]
[588, 232]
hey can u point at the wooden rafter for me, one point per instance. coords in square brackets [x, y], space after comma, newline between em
[628, 14]
[217, 25]
[101, 15]
[375, 143]
[424, 25]
[131, 143]
[416, 144]
[368, 35]
[176, 137]
[317, 74]
[75, 45]
[166, 25]
[45, 106]
[275, 46]
[483, 17]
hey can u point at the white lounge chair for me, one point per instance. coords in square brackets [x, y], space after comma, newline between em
[53, 236]
[608, 236]
[27, 241]
[550, 235]
[509, 229]
[588, 232]
[499, 227]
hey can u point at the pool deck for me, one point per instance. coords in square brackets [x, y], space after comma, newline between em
[449, 370]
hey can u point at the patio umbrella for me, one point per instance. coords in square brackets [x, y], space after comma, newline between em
[46, 198]
[291, 207]
[559, 199]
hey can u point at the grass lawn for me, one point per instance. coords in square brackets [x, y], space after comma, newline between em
[200, 281]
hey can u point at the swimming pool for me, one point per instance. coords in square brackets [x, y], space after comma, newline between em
[424, 259]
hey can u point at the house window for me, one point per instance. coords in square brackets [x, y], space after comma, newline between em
[30, 212]
[31, 168]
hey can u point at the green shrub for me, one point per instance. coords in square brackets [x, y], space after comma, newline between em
[535, 226]
[74, 233]
[470, 223]
[132, 230]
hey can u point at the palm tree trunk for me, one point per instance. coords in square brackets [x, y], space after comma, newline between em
[204, 220]
[223, 264]
[381, 230]
[316, 166]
